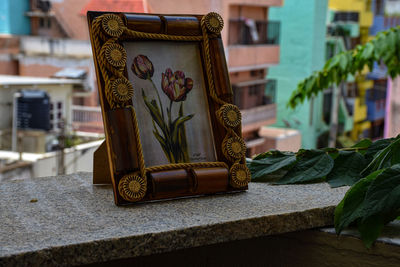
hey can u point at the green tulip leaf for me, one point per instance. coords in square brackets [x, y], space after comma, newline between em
[155, 113]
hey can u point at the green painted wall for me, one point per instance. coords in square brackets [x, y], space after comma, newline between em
[302, 51]
[13, 19]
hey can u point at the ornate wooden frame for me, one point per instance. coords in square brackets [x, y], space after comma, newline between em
[132, 181]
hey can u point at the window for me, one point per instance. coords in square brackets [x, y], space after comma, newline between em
[379, 7]
[56, 115]
[45, 22]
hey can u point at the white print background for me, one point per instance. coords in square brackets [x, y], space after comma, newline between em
[183, 56]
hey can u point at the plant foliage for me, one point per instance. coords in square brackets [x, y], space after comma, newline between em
[385, 47]
[371, 169]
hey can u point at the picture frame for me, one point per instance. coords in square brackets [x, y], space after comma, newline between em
[171, 129]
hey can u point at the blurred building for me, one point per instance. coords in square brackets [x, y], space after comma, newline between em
[303, 36]
[384, 96]
[49, 39]
[348, 27]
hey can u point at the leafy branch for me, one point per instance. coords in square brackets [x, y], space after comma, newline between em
[384, 47]
[371, 168]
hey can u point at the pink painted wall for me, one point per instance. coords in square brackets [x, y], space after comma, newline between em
[392, 121]
[245, 55]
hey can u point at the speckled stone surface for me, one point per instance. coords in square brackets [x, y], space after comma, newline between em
[75, 222]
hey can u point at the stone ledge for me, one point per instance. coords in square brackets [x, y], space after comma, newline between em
[74, 222]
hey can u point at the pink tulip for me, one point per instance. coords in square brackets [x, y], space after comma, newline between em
[175, 85]
[142, 67]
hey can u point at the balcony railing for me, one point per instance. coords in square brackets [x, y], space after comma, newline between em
[346, 17]
[250, 32]
[251, 94]
[87, 119]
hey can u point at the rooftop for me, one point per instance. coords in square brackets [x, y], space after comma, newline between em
[135, 6]
[25, 80]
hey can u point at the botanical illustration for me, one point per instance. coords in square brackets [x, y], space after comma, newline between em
[168, 128]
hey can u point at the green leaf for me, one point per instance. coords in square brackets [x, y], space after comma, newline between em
[338, 213]
[154, 112]
[383, 196]
[384, 47]
[367, 52]
[342, 62]
[370, 229]
[261, 168]
[333, 152]
[331, 63]
[350, 208]
[377, 146]
[382, 159]
[346, 169]
[163, 144]
[365, 143]
[395, 155]
[310, 166]
[177, 142]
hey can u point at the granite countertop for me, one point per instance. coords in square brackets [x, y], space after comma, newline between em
[75, 222]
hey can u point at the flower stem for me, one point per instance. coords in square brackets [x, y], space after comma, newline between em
[158, 96]
[169, 113]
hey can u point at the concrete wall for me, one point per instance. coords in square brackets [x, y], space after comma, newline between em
[302, 48]
[76, 159]
[56, 47]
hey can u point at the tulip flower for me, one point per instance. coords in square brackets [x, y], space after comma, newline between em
[142, 67]
[175, 85]
[168, 130]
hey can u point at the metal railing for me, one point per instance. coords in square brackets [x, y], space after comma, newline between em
[343, 16]
[249, 32]
[87, 119]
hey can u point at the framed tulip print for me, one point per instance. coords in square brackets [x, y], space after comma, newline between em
[171, 128]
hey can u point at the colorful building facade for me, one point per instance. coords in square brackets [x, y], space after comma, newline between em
[303, 35]
[384, 98]
[353, 14]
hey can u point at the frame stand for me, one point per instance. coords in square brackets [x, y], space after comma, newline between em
[101, 166]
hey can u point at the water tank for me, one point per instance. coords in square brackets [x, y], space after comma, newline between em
[33, 110]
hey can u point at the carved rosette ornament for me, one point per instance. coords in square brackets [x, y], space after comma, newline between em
[230, 115]
[132, 187]
[234, 148]
[115, 55]
[240, 175]
[214, 22]
[121, 90]
[113, 25]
